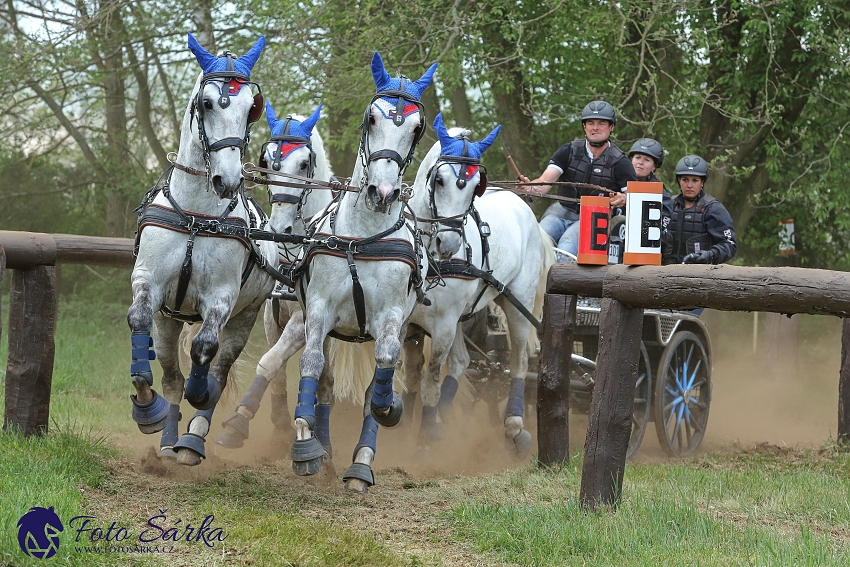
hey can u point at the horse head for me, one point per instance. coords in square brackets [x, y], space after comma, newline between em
[393, 124]
[453, 181]
[290, 150]
[222, 110]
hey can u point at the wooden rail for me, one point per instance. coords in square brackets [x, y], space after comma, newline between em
[32, 313]
[627, 290]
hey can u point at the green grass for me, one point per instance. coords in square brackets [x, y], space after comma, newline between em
[766, 509]
[47, 471]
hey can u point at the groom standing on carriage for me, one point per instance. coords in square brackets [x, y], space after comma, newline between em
[593, 159]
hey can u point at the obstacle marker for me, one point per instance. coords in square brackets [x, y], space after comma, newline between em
[593, 221]
[643, 223]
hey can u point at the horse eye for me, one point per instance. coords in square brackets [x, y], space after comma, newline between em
[371, 120]
[303, 165]
[439, 181]
[208, 104]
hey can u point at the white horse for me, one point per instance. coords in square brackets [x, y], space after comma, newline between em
[362, 282]
[520, 256]
[194, 259]
[295, 147]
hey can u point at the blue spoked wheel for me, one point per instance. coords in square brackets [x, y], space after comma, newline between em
[643, 397]
[682, 395]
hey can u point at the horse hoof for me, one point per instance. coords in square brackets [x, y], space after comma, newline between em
[389, 417]
[358, 478]
[150, 417]
[234, 431]
[190, 449]
[519, 445]
[229, 438]
[307, 456]
[167, 453]
[188, 457]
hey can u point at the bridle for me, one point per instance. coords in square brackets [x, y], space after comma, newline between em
[286, 137]
[367, 156]
[232, 80]
[455, 223]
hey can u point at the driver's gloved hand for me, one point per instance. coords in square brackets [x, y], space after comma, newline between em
[705, 257]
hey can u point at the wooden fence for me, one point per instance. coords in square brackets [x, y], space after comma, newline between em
[32, 313]
[626, 291]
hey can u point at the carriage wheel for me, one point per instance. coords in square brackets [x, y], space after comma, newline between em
[682, 395]
[643, 397]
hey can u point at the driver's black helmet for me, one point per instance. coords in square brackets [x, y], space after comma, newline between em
[599, 109]
[649, 147]
[692, 165]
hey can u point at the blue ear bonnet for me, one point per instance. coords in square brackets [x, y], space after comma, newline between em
[450, 146]
[297, 128]
[213, 64]
[383, 81]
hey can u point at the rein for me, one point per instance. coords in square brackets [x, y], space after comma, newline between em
[305, 182]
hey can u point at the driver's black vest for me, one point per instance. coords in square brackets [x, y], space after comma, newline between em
[580, 170]
[689, 230]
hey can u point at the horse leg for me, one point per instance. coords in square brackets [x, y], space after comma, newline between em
[414, 364]
[382, 406]
[190, 447]
[307, 453]
[235, 427]
[517, 439]
[167, 338]
[456, 364]
[432, 383]
[150, 410]
[385, 404]
[325, 398]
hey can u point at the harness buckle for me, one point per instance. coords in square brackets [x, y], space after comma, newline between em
[213, 226]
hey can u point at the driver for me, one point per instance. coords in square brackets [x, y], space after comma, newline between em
[593, 159]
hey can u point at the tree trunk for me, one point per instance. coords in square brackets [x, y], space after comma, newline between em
[203, 20]
[461, 109]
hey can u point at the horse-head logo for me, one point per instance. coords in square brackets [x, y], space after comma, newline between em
[38, 532]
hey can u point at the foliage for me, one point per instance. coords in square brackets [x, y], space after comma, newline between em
[757, 88]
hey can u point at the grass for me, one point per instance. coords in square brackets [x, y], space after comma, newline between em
[771, 507]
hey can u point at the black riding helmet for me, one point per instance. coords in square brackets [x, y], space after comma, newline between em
[649, 147]
[692, 165]
[599, 109]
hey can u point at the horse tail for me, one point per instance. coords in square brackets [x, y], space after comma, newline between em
[547, 257]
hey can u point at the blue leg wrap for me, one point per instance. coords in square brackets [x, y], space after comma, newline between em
[516, 401]
[141, 356]
[368, 435]
[306, 405]
[323, 424]
[447, 393]
[170, 433]
[196, 385]
[206, 414]
[382, 396]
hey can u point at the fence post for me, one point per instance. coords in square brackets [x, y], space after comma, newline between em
[2, 273]
[610, 422]
[844, 385]
[553, 379]
[29, 371]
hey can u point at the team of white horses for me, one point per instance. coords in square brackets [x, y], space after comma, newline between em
[362, 274]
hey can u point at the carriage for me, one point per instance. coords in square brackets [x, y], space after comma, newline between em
[673, 387]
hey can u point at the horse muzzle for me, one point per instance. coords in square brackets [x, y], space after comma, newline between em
[380, 197]
[448, 244]
[223, 189]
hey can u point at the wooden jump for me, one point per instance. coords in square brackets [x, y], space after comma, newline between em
[32, 313]
[627, 290]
